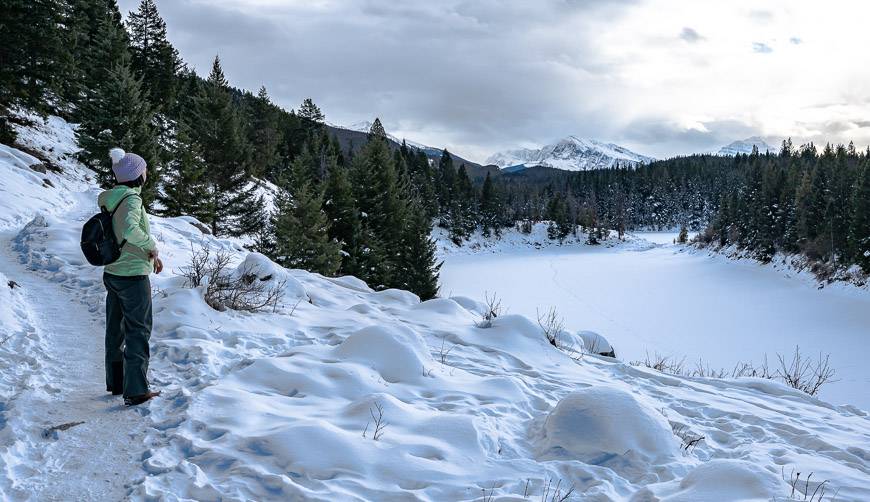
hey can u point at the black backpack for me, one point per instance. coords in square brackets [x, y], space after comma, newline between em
[99, 244]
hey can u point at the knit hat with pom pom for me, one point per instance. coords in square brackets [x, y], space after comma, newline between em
[126, 166]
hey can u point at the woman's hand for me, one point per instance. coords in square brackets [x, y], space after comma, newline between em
[158, 265]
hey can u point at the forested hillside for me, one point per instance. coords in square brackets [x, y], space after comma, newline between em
[208, 145]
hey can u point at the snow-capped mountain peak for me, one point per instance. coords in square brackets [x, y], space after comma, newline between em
[745, 147]
[571, 154]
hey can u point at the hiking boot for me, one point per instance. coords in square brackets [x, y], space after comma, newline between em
[137, 400]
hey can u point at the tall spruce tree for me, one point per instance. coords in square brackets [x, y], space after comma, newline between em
[382, 210]
[117, 115]
[418, 264]
[154, 59]
[32, 57]
[185, 187]
[98, 43]
[301, 233]
[344, 220]
[236, 208]
[264, 134]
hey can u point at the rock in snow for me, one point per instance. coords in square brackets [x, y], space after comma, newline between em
[286, 404]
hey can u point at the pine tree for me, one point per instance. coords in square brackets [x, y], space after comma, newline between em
[490, 208]
[382, 208]
[227, 153]
[185, 189]
[344, 221]
[418, 265]
[118, 116]
[154, 60]
[32, 57]
[302, 233]
[264, 135]
[447, 181]
[98, 43]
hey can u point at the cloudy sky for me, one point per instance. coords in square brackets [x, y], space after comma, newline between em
[662, 77]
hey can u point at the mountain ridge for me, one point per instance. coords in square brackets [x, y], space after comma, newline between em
[570, 153]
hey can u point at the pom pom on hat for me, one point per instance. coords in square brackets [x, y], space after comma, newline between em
[116, 154]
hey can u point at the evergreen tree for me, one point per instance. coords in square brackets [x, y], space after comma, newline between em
[154, 60]
[490, 208]
[418, 263]
[301, 233]
[118, 116]
[344, 221]
[235, 207]
[98, 43]
[446, 181]
[264, 135]
[32, 57]
[185, 188]
[382, 210]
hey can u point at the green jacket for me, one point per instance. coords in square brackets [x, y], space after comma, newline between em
[130, 223]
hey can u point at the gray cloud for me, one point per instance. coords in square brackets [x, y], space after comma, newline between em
[796, 40]
[761, 48]
[665, 137]
[690, 35]
[475, 76]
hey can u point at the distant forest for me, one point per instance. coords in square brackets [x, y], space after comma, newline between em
[362, 204]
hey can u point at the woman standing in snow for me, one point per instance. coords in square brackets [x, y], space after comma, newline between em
[128, 289]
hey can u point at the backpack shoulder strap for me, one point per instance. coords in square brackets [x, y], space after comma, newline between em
[112, 216]
[122, 201]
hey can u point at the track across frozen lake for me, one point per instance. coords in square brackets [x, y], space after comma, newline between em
[669, 300]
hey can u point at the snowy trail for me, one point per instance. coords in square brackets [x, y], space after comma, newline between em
[97, 459]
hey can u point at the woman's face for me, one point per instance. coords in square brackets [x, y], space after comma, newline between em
[145, 175]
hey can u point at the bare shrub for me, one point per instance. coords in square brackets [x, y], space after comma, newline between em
[801, 373]
[800, 487]
[378, 419]
[665, 364]
[200, 263]
[804, 374]
[688, 439]
[552, 324]
[493, 310]
[444, 351]
[227, 290]
[554, 493]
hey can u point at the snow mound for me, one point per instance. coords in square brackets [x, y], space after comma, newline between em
[598, 425]
[271, 273]
[594, 343]
[728, 480]
[396, 354]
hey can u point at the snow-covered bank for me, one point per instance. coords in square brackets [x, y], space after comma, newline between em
[513, 240]
[286, 404]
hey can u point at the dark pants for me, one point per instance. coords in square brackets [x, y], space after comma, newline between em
[128, 328]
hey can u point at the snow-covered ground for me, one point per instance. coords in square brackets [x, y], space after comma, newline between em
[678, 302]
[279, 405]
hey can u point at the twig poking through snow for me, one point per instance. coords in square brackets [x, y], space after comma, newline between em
[380, 423]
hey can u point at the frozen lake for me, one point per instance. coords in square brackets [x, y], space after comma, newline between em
[680, 304]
